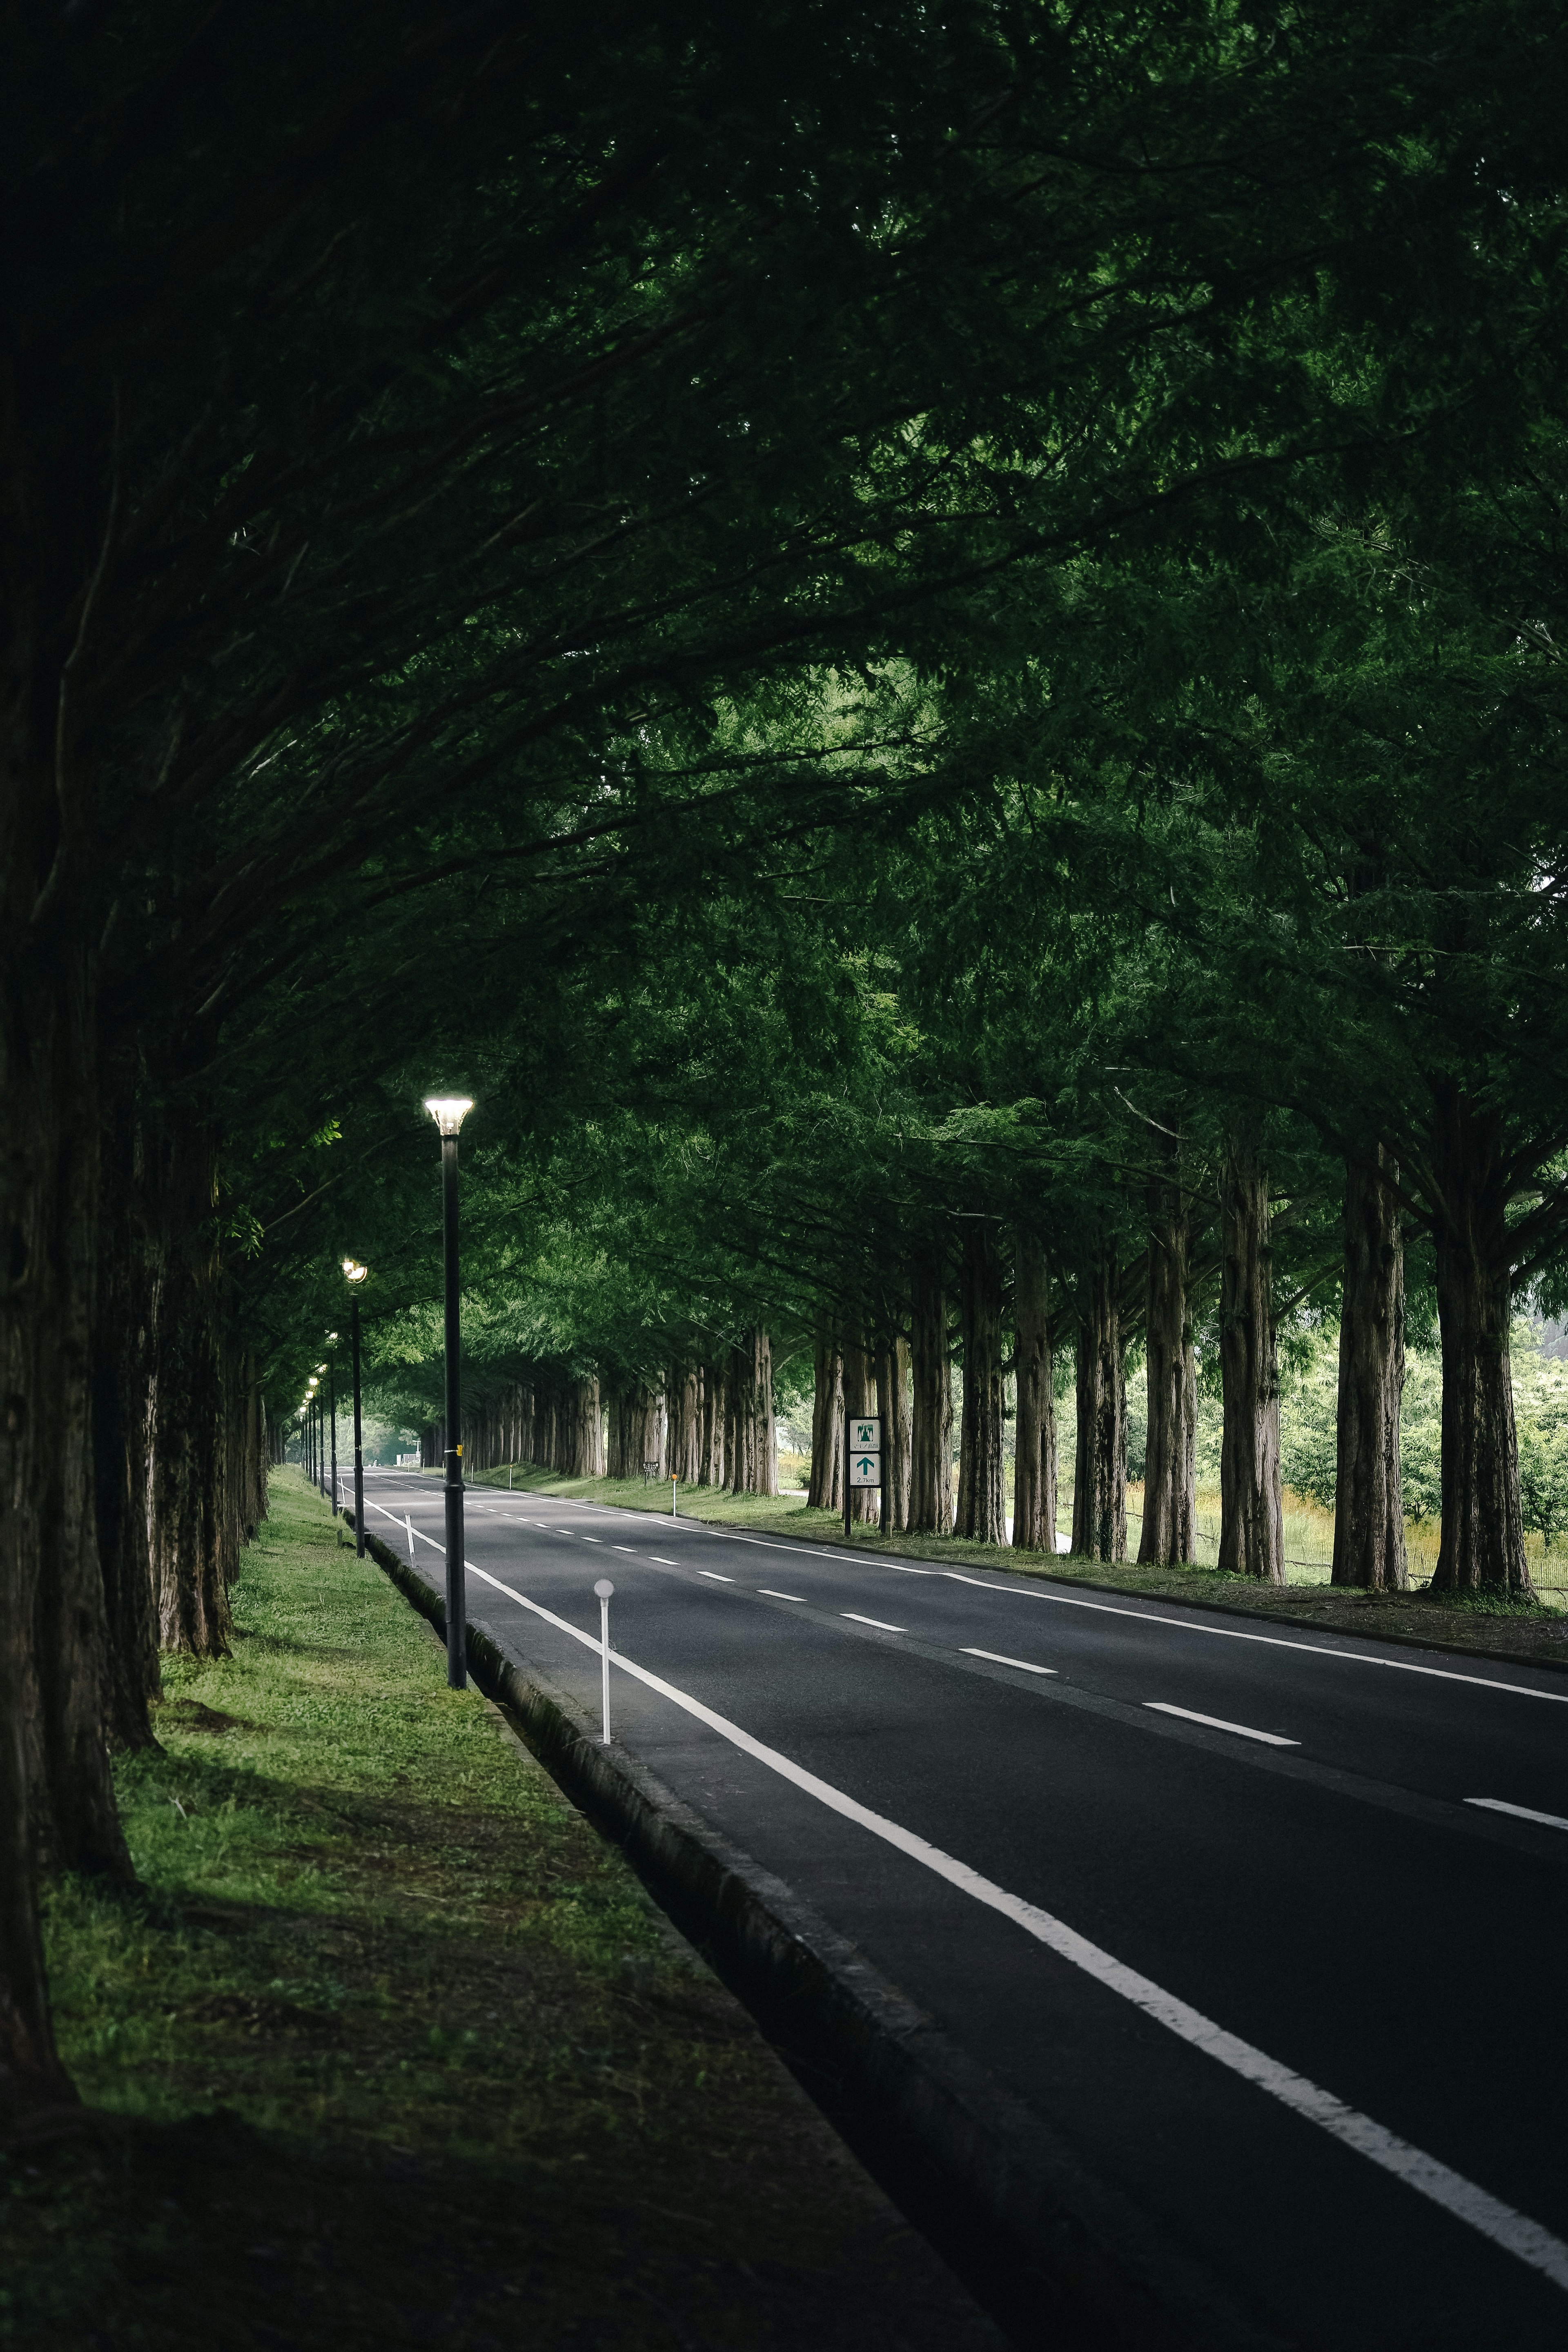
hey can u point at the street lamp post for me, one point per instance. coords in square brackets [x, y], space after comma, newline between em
[355, 1273]
[448, 1112]
[332, 1410]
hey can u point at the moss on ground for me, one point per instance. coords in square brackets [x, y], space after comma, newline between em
[1483, 1624]
[390, 2049]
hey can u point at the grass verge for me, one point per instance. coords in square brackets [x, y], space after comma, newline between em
[1481, 1625]
[390, 2049]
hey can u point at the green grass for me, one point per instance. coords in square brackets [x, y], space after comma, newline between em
[389, 2048]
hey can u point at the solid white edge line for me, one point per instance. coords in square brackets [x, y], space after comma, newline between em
[998, 1660]
[1218, 1723]
[1521, 1812]
[1530, 2242]
[880, 1623]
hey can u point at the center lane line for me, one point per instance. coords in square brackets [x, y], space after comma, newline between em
[1528, 2240]
[1218, 1723]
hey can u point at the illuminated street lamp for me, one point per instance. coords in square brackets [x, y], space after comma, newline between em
[448, 1111]
[353, 1275]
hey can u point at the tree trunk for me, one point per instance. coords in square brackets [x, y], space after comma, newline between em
[981, 1508]
[931, 1415]
[1034, 1452]
[713, 1424]
[584, 1447]
[859, 1397]
[1170, 1459]
[55, 1789]
[754, 1461]
[1369, 1505]
[1100, 1467]
[185, 1458]
[1482, 1542]
[684, 1390]
[121, 1433]
[893, 1402]
[825, 1490]
[1252, 1521]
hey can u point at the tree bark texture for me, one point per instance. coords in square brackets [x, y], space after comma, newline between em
[1252, 1520]
[981, 1508]
[1099, 1466]
[683, 1387]
[55, 1790]
[931, 1400]
[893, 1402]
[1369, 1505]
[714, 1423]
[1035, 1423]
[1482, 1543]
[123, 1363]
[825, 1489]
[193, 1505]
[637, 1433]
[753, 1443]
[1168, 1538]
[859, 1397]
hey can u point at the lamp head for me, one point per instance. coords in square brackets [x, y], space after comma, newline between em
[332, 1339]
[353, 1271]
[448, 1111]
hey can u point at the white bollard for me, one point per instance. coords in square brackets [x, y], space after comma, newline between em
[508, 1470]
[603, 1589]
[408, 1529]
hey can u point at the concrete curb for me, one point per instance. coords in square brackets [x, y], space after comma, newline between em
[1061, 2257]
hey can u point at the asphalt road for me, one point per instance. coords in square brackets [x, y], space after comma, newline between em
[1220, 1902]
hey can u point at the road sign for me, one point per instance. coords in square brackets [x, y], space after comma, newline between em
[866, 1434]
[865, 1469]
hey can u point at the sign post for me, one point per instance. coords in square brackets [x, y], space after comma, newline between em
[862, 1456]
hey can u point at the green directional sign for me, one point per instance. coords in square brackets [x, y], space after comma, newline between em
[865, 1469]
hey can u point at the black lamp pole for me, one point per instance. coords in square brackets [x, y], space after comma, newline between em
[332, 1409]
[448, 1111]
[359, 1433]
[456, 1583]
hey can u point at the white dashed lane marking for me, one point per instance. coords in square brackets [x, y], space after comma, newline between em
[880, 1624]
[1218, 1723]
[998, 1660]
[1519, 1813]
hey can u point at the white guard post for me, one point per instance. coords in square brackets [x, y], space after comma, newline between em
[603, 1589]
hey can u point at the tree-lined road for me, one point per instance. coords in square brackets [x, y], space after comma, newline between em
[1172, 1877]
